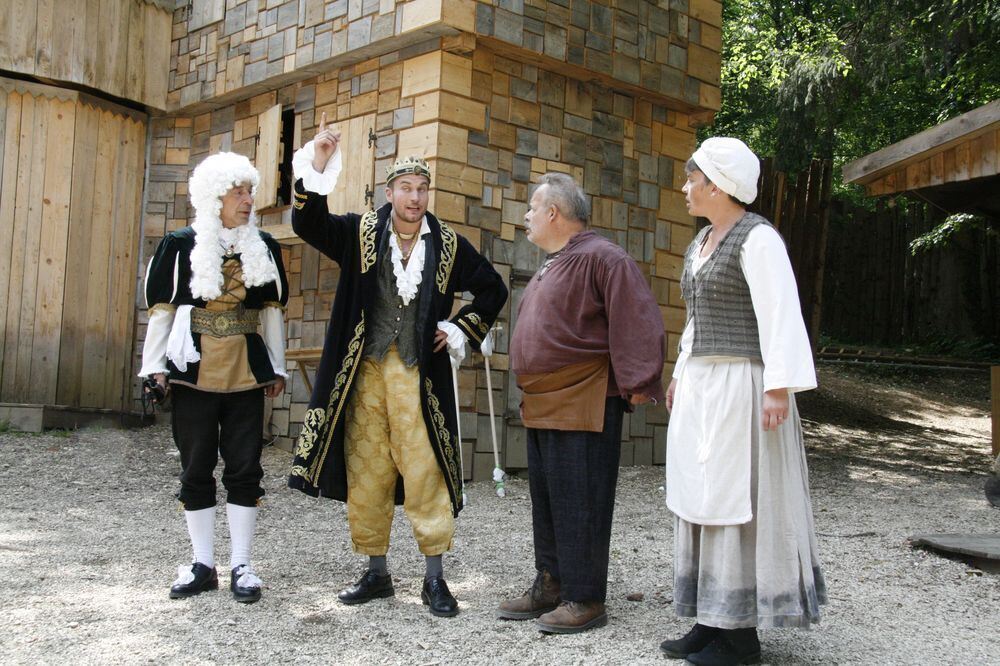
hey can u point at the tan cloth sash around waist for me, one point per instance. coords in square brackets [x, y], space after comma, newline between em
[570, 398]
[224, 323]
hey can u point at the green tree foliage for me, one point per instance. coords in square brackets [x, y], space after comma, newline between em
[842, 78]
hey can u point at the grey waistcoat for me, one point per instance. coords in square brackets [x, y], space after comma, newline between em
[718, 296]
[392, 321]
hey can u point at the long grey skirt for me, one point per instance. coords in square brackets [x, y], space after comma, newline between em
[764, 573]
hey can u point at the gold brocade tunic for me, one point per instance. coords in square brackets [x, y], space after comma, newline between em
[224, 364]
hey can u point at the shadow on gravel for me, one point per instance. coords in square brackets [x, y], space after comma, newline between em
[908, 424]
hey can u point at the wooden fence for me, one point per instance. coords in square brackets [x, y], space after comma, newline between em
[878, 292]
[798, 206]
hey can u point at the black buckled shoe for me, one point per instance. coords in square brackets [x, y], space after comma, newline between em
[372, 585]
[730, 648]
[693, 641]
[194, 580]
[436, 595]
[244, 584]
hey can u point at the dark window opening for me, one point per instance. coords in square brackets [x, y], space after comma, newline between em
[285, 177]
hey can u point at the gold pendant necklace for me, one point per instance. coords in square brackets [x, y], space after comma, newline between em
[406, 255]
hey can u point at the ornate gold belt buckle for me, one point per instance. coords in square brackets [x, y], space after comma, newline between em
[220, 324]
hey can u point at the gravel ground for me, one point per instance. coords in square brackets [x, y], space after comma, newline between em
[90, 539]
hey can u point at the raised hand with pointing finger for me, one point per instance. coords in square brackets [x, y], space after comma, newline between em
[325, 144]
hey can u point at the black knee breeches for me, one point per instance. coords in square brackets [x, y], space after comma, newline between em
[207, 425]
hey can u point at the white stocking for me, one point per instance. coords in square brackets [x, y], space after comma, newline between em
[242, 522]
[201, 528]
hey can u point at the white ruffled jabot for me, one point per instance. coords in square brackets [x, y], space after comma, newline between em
[408, 277]
[211, 242]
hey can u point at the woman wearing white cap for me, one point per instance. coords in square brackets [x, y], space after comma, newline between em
[745, 551]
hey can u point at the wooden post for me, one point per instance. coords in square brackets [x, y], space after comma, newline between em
[995, 393]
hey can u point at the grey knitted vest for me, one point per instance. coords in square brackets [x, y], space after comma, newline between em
[392, 321]
[718, 296]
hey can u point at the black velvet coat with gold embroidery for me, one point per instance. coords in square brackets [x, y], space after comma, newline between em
[451, 265]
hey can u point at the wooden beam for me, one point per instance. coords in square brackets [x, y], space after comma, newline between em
[938, 138]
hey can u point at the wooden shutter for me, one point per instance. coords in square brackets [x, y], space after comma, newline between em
[358, 166]
[268, 156]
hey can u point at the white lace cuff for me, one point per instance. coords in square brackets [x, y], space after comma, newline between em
[272, 327]
[456, 341]
[312, 180]
[180, 345]
[154, 347]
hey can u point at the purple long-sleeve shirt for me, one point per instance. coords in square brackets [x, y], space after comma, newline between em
[592, 301]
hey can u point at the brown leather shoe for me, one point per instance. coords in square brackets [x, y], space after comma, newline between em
[541, 598]
[572, 617]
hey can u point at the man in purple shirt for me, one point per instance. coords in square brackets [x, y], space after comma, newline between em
[588, 345]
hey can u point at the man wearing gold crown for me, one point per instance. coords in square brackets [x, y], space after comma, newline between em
[381, 426]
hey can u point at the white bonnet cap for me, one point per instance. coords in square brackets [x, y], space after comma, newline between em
[216, 175]
[731, 165]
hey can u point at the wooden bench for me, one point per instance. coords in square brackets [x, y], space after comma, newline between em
[305, 358]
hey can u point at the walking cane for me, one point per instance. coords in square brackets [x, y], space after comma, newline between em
[458, 426]
[498, 474]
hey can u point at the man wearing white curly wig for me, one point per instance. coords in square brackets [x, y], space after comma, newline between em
[381, 423]
[216, 291]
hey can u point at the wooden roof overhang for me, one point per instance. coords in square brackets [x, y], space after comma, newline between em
[954, 165]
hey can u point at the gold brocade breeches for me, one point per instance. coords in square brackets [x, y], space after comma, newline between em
[386, 437]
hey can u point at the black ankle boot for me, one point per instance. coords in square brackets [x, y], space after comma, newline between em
[693, 641]
[731, 647]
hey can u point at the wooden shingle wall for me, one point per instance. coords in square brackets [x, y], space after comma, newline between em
[670, 49]
[667, 49]
[258, 45]
[489, 125]
[119, 47]
[492, 94]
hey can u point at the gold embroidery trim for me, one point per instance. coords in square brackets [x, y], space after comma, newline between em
[443, 436]
[474, 318]
[367, 236]
[313, 421]
[472, 334]
[449, 243]
[311, 427]
[224, 323]
[298, 205]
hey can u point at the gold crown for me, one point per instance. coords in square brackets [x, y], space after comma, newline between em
[406, 166]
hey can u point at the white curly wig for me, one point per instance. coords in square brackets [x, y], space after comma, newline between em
[216, 175]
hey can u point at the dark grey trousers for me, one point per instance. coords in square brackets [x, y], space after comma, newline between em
[572, 476]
